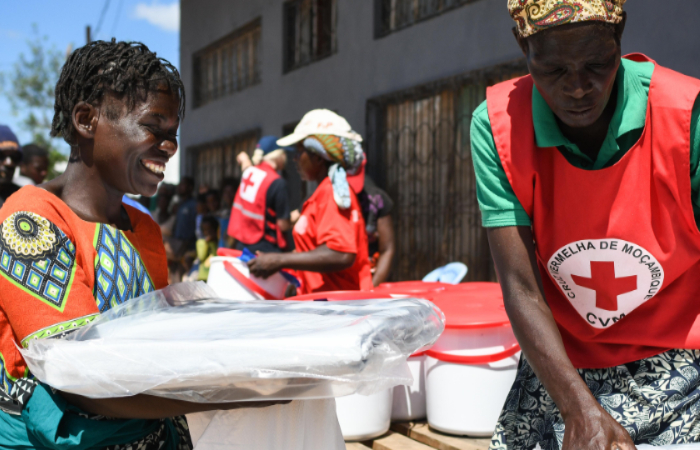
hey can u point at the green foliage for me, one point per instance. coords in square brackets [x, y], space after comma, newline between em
[29, 88]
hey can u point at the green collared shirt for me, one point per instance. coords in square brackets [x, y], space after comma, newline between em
[497, 201]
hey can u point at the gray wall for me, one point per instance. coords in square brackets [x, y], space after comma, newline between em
[362, 68]
[474, 36]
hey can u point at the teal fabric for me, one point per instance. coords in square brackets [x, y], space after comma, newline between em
[497, 201]
[48, 422]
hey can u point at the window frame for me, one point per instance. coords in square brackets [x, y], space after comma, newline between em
[380, 24]
[287, 65]
[226, 161]
[224, 49]
[428, 167]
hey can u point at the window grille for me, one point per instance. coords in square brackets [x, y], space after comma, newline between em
[393, 15]
[309, 31]
[217, 160]
[419, 151]
[229, 65]
[297, 189]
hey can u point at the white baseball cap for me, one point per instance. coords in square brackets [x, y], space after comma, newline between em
[319, 121]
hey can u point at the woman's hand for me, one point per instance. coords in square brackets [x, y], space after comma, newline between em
[592, 428]
[265, 265]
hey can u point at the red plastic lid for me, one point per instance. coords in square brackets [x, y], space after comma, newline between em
[472, 305]
[221, 251]
[339, 296]
[417, 288]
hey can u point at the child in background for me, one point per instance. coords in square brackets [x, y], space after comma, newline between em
[202, 210]
[207, 246]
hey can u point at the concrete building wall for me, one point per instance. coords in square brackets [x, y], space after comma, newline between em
[474, 36]
[362, 67]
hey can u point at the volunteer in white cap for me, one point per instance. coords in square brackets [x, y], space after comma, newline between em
[331, 243]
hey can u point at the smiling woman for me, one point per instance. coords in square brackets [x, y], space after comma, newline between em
[70, 250]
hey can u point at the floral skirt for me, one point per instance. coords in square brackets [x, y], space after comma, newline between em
[656, 399]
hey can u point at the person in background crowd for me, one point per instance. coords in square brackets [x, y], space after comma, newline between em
[588, 175]
[186, 214]
[260, 213]
[202, 189]
[202, 210]
[184, 234]
[213, 201]
[207, 245]
[34, 166]
[214, 209]
[163, 215]
[376, 208]
[331, 242]
[11, 153]
[228, 194]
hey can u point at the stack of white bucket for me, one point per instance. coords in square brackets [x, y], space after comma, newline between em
[461, 383]
[231, 279]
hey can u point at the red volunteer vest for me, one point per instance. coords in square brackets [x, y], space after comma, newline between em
[618, 248]
[247, 222]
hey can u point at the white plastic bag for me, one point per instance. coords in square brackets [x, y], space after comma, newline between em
[299, 425]
[183, 343]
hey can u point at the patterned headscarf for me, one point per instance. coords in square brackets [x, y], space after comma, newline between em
[346, 154]
[532, 16]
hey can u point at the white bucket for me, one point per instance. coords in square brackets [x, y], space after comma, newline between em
[227, 287]
[409, 401]
[364, 417]
[465, 395]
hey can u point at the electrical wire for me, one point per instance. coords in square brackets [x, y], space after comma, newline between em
[116, 18]
[102, 17]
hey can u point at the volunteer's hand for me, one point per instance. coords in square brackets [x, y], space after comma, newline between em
[294, 216]
[243, 160]
[265, 264]
[592, 428]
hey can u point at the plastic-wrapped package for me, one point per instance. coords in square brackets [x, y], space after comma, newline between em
[183, 343]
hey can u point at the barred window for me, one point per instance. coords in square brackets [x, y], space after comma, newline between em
[393, 15]
[217, 160]
[229, 65]
[419, 151]
[309, 31]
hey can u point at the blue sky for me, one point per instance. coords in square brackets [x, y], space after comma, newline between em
[153, 22]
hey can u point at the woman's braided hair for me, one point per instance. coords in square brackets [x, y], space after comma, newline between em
[127, 70]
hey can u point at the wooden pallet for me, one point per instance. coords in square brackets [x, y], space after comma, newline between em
[419, 436]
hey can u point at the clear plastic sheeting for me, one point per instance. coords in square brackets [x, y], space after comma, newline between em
[693, 446]
[182, 342]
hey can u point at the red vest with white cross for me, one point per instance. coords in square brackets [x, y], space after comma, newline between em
[618, 248]
[247, 223]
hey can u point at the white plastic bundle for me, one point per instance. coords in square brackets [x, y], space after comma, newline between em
[183, 343]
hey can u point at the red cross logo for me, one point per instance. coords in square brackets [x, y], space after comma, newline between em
[247, 181]
[606, 286]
